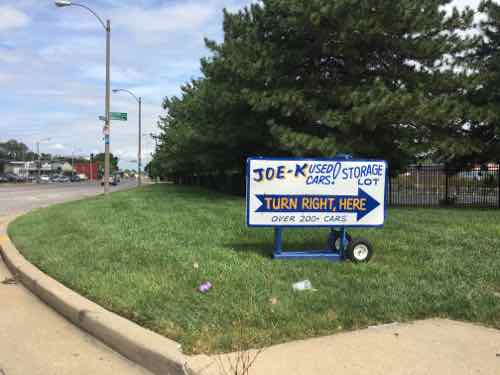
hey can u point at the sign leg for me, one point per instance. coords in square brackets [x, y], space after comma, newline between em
[278, 234]
[343, 242]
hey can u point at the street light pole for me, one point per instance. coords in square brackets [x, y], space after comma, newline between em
[107, 128]
[139, 153]
[139, 150]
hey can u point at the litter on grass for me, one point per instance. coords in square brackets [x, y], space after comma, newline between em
[302, 285]
[205, 287]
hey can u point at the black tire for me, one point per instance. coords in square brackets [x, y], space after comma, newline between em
[359, 250]
[334, 240]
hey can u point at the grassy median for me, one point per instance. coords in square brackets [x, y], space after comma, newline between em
[142, 253]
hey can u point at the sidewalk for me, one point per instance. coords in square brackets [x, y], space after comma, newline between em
[429, 347]
[35, 340]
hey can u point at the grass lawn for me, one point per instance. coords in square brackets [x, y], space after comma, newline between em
[136, 252]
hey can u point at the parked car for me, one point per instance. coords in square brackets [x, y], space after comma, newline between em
[64, 179]
[12, 177]
[45, 178]
[75, 178]
[3, 178]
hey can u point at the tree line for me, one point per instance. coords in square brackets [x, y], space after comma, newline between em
[401, 80]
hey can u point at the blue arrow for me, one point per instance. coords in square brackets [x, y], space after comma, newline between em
[370, 205]
[361, 204]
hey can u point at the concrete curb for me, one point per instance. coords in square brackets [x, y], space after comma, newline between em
[150, 350]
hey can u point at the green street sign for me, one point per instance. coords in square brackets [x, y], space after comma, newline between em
[120, 116]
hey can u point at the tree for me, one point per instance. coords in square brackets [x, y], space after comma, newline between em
[320, 77]
[14, 150]
[209, 128]
[113, 163]
[482, 133]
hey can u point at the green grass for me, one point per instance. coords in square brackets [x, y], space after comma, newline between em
[134, 253]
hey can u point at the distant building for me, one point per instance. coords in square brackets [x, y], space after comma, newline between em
[26, 168]
[88, 169]
[61, 167]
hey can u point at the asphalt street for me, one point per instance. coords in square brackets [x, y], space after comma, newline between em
[18, 198]
[34, 339]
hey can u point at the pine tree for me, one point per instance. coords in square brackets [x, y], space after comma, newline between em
[374, 78]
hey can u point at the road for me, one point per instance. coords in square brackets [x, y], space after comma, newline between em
[19, 198]
[34, 339]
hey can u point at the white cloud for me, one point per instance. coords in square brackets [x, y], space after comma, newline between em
[118, 74]
[45, 92]
[9, 57]
[11, 18]
[4, 78]
[57, 146]
[76, 47]
[170, 18]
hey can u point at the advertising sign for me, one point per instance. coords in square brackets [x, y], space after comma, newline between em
[315, 192]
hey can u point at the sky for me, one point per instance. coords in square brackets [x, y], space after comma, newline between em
[52, 68]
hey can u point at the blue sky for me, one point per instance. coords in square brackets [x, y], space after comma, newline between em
[52, 67]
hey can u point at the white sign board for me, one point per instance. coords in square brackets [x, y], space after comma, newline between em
[315, 192]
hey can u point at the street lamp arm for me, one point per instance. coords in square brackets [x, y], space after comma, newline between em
[94, 13]
[130, 92]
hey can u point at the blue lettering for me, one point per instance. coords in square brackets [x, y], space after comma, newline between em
[299, 169]
[281, 172]
[269, 173]
[259, 173]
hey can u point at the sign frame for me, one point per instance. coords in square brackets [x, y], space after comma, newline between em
[336, 159]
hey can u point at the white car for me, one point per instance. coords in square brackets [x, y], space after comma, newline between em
[44, 178]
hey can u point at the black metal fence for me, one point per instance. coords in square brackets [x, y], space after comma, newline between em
[417, 186]
[435, 185]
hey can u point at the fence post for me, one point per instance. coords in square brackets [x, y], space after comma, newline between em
[390, 188]
[446, 195]
[498, 184]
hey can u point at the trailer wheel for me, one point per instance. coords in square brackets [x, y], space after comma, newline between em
[334, 240]
[359, 250]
